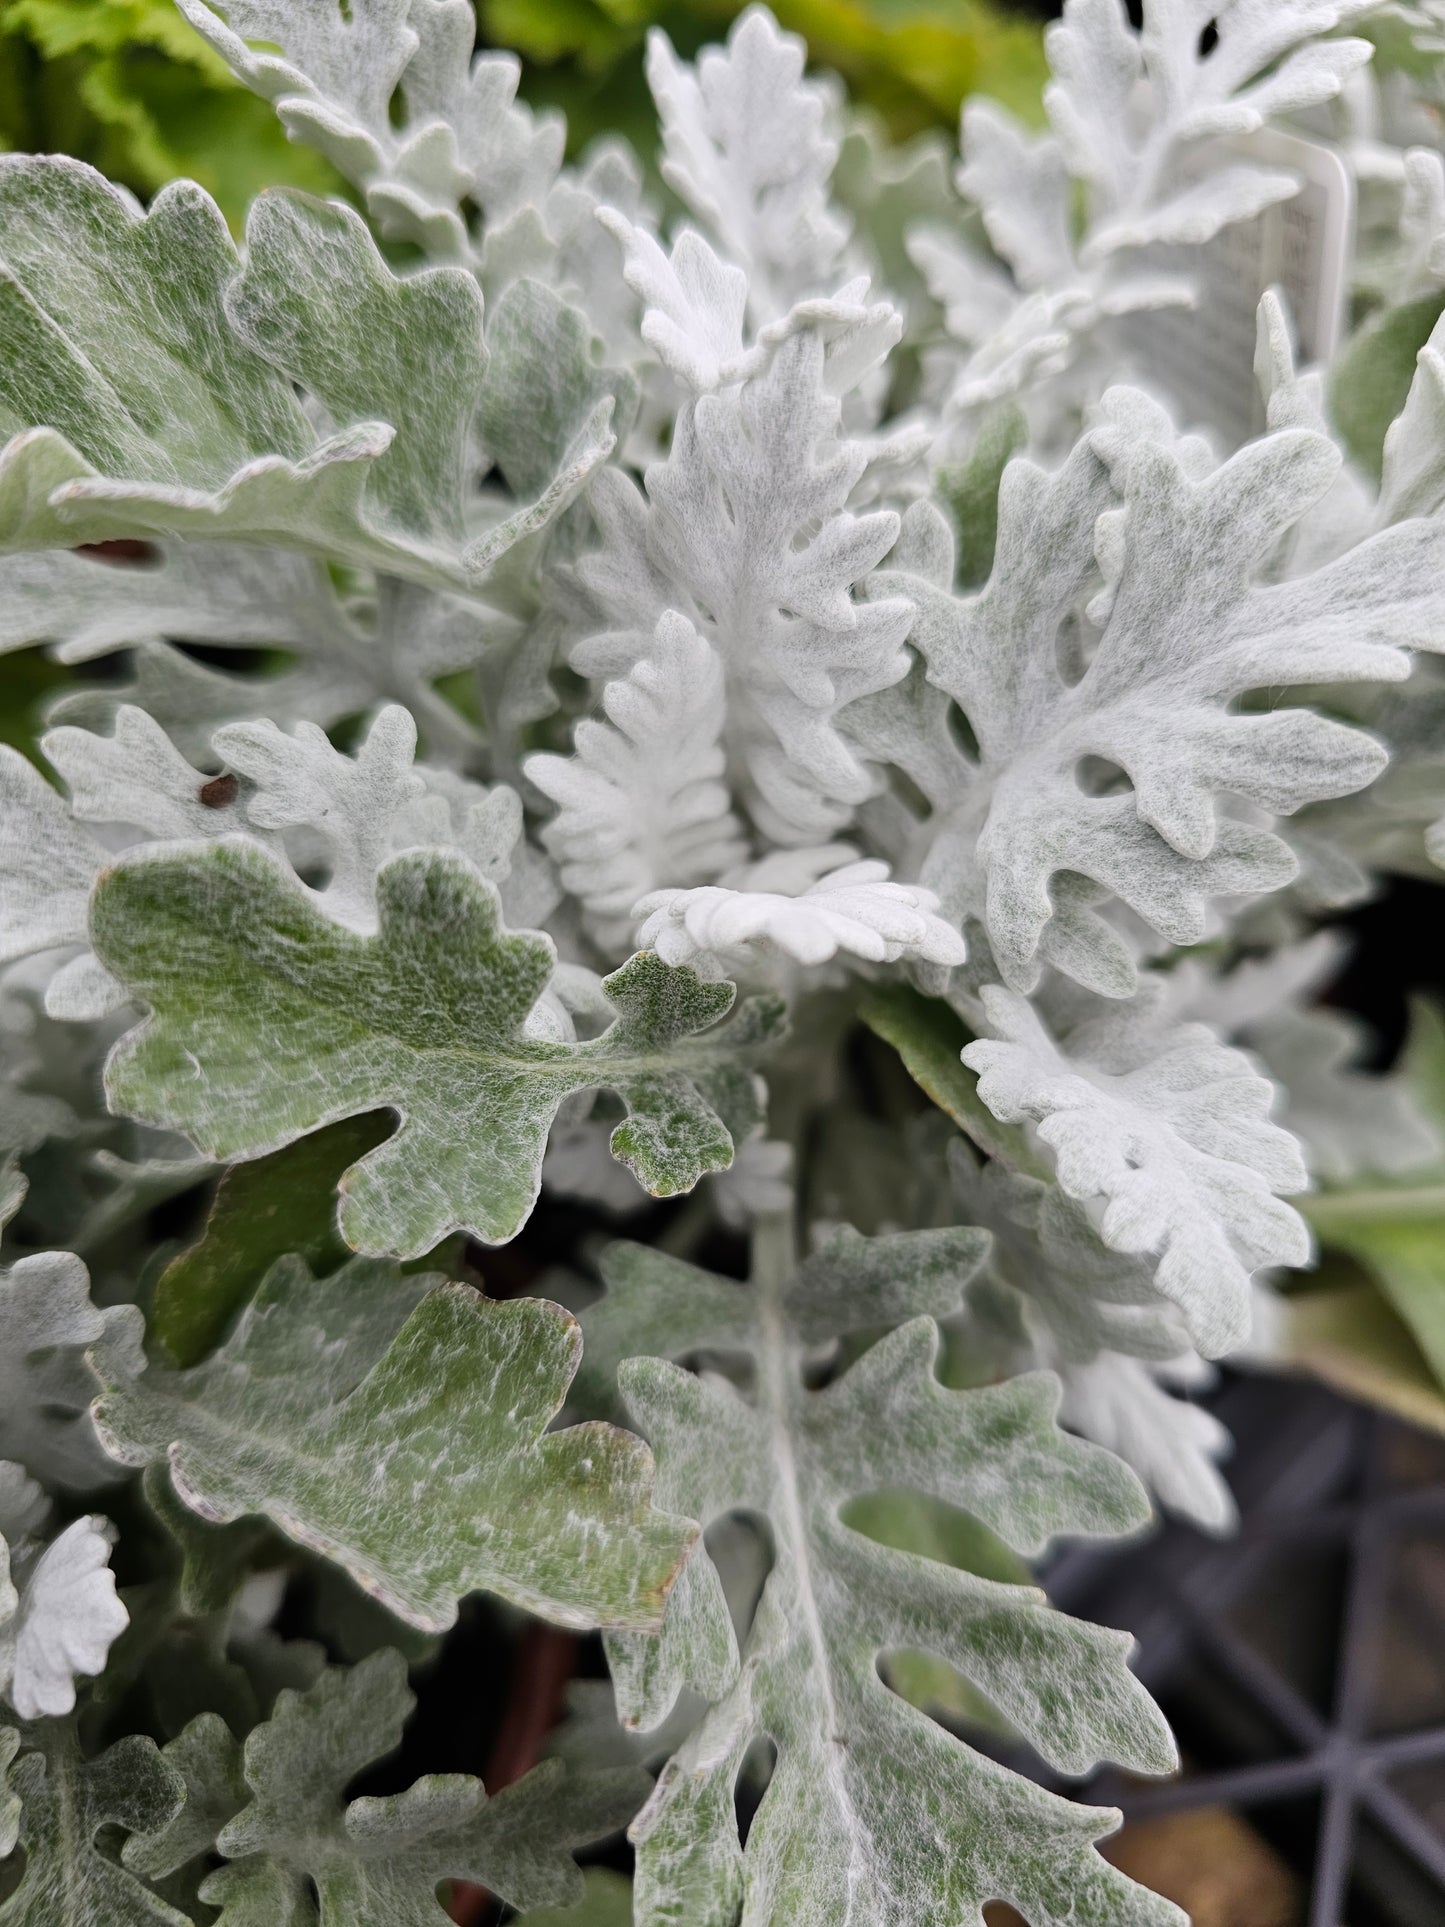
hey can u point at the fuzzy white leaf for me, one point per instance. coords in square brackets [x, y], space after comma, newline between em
[47, 863]
[331, 73]
[65, 1619]
[1187, 630]
[642, 800]
[1413, 481]
[1168, 1132]
[853, 908]
[47, 1325]
[1052, 1294]
[695, 303]
[1021, 186]
[1349, 1121]
[1097, 60]
[1173, 1445]
[137, 777]
[1078, 1297]
[29, 1111]
[745, 530]
[1129, 109]
[352, 801]
[348, 655]
[745, 144]
[352, 813]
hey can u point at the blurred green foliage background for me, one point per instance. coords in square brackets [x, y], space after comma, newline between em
[126, 85]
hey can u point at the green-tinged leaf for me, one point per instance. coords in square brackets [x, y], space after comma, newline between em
[928, 1035]
[271, 1020]
[544, 384]
[1395, 1227]
[909, 1523]
[118, 339]
[317, 300]
[873, 1812]
[970, 493]
[153, 381]
[278, 1204]
[1371, 378]
[607, 1902]
[1406, 1257]
[65, 1801]
[410, 1448]
[301, 1855]
[207, 1760]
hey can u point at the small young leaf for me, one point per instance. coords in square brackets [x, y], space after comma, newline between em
[747, 530]
[59, 1615]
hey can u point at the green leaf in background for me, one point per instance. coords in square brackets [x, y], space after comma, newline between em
[1394, 1230]
[1372, 377]
[411, 1452]
[607, 1903]
[929, 1035]
[271, 1020]
[970, 494]
[1346, 1333]
[261, 1211]
[911, 60]
[127, 86]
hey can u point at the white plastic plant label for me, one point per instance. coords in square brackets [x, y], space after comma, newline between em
[1201, 356]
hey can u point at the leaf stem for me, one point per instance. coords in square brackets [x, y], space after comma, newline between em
[546, 1656]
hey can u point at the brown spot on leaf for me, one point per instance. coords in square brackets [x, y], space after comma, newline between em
[219, 791]
[124, 551]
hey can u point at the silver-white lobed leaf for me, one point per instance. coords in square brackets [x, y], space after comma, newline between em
[1166, 1133]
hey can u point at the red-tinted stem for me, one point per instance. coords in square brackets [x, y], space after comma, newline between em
[545, 1658]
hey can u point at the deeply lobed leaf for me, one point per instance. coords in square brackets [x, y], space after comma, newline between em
[294, 1022]
[297, 1851]
[873, 1812]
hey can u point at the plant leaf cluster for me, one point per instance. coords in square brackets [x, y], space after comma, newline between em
[739, 720]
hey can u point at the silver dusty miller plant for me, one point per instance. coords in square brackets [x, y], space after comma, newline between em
[608, 689]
